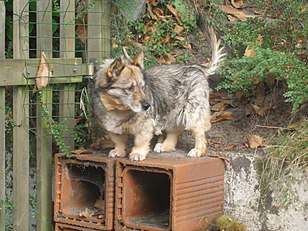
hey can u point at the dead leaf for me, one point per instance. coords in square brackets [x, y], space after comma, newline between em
[175, 13]
[187, 45]
[254, 141]
[149, 9]
[166, 59]
[259, 40]
[236, 13]
[220, 106]
[221, 116]
[86, 213]
[231, 18]
[295, 126]
[180, 38]
[237, 3]
[80, 151]
[260, 110]
[165, 40]
[158, 12]
[178, 29]
[250, 52]
[42, 74]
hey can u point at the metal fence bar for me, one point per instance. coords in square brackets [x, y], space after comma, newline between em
[21, 217]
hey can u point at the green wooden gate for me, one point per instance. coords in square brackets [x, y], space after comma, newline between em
[58, 28]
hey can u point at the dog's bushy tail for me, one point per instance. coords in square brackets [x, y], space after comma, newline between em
[218, 54]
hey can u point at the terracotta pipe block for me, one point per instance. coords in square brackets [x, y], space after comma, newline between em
[66, 227]
[84, 191]
[168, 192]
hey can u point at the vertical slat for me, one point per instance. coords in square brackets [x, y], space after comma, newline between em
[2, 120]
[67, 46]
[2, 29]
[44, 27]
[21, 119]
[20, 29]
[67, 29]
[44, 160]
[99, 30]
[43, 138]
[2, 156]
[21, 159]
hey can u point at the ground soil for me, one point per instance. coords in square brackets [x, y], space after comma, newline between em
[231, 135]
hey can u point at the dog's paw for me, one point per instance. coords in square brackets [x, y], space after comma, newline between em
[161, 147]
[197, 152]
[114, 153]
[158, 147]
[137, 156]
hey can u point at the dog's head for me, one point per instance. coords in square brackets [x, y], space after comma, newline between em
[120, 84]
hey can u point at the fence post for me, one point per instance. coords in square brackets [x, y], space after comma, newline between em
[2, 120]
[43, 137]
[21, 118]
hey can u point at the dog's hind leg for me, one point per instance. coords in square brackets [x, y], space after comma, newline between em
[120, 142]
[200, 143]
[169, 144]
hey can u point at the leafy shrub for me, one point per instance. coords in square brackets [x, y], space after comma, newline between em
[277, 37]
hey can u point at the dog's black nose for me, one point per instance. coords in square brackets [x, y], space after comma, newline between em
[145, 105]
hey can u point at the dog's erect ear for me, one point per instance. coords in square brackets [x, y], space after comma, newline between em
[127, 59]
[139, 60]
[114, 70]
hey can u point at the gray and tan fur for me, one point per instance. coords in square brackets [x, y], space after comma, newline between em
[129, 100]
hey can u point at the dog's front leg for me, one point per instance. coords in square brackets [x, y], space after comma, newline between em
[141, 146]
[120, 142]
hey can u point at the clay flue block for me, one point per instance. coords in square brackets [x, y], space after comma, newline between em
[84, 191]
[168, 192]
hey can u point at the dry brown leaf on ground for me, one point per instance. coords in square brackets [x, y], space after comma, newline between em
[42, 74]
[166, 59]
[297, 125]
[236, 13]
[237, 3]
[220, 106]
[175, 13]
[250, 52]
[80, 151]
[254, 141]
[221, 116]
[178, 29]
[86, 213]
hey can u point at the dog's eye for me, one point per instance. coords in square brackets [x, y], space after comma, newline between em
[131, 88]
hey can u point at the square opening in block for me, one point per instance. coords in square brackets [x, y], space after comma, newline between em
[83, 191]
[146, 199]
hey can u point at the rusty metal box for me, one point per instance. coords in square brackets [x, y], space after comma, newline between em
[84, 191]
[66, 227]
[168, 192]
